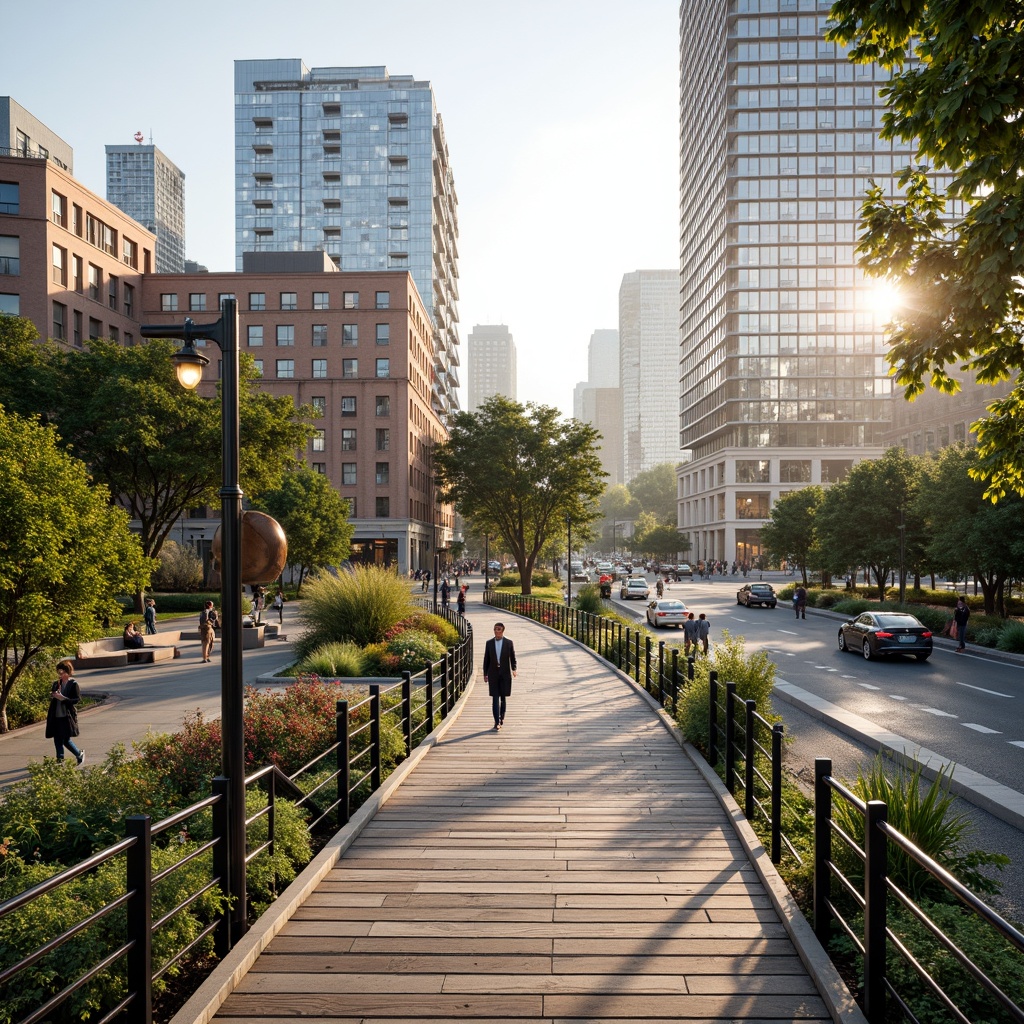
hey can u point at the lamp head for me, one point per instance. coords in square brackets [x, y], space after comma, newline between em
[188, 365]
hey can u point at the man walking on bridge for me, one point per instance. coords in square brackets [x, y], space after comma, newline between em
[499, 671]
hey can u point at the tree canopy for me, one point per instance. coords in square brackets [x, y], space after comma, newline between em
[154, 444]
[314, 518]
[66, 551]
[654, 491]
[790, 535]
[956, 254]
[517, 472]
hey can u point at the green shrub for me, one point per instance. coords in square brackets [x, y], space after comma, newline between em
[828, 598]
[753, 674]
[854, 606]
[30, 699]
[415, 649]
[426, 622]
[1011, 637]
[588, 599]
[359, 605]
[542, 578]
[180, 569]
[337, 659]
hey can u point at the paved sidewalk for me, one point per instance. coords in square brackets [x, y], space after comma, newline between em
[144, 698]
[576, 865]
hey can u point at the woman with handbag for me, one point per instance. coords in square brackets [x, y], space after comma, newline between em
[62, 715]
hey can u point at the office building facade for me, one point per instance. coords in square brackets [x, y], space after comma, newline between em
[149, 187]
[783, 377]
[649, 369]
[598, 401]
[22, 134]
[351, 161]
[491, 367]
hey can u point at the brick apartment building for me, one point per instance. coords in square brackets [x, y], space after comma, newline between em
[356, 345]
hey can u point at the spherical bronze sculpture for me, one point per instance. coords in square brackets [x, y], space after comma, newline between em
[264, 548]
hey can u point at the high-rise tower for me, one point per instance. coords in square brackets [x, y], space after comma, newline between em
[351, 161]
[143, 183]
[492, 364]
[783, 377]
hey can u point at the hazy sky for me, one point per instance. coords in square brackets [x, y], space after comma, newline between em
[561, 120]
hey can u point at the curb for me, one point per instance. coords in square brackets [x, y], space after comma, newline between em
[204, 1003]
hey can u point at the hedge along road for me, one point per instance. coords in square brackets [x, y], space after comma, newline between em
[145, 698]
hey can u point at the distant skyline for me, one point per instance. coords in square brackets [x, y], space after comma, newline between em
[561, 120]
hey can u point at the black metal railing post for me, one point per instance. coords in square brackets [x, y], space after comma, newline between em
[822, 850]
[647, 664]
[428, 690]
[749, 725]
[690, 662]
[139, 919]
[221, 854]
[730, 735]
[675, 679]
[661, 672]
[713, 718]
[618, 645]
[637, 663]
[343, 760]
[776, 851]
[407, 709]
[875, 869]
[629, 649]
[374, 737]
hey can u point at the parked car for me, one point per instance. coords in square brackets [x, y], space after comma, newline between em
[634, 586]
[677, 572]
[876, 634]
[579, 573]
[666, 612]
[757, 593]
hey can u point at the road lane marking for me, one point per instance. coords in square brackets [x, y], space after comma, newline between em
[934, 711]
[1016, 743]
[981, 689]
[896, 696]
[868, 686]
[980, 728]
[847, 677]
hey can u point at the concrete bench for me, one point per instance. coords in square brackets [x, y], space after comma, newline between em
[252, 636]
[110, 652]
[149, 655]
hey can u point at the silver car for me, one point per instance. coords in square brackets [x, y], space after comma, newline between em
[666, 612]
[634, 586]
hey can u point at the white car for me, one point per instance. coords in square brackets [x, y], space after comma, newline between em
[666, 612]
[634, 586]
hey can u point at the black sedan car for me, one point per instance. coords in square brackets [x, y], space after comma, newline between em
[757, 593]
[875, 634]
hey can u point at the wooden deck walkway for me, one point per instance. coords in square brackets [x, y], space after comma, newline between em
[574, 866]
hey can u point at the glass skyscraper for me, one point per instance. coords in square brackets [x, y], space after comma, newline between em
[783, 380]
[351, 161]
[147, 186]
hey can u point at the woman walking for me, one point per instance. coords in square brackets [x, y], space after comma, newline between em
[62, 715]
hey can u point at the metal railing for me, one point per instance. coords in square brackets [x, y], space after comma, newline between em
[872, 937]
[352, 768]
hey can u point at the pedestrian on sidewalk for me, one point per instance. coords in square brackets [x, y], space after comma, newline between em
[800, 602]
[499, 671]
[461, 600]
[690, 634]
[279, 605]
[62, 714]
[961, 613]
[208, 624]
[149, 615]
[703, 631]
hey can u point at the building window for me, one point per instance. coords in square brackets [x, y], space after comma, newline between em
[60, 266]
[168, 302]
[320, 467]
[350, 300]
[349, 334]
[286, 334]
[383, 334]
[78, 274]
[59, 330]
[348, 440]
[10, 303]
[383, 368]
[112, 333]
[129, 253]
[383, 507]
[351, 505]
[959, 433]
[321, 300]
[259, 367]
[289, 300]
[96, 283]
[383, 439]
[383, 473]
[197, 302]
[129, 299]
[349, 368]
[255, 333]
[60, 209]
[383, 300]
[10, 255]
[383, 405]
[76, 328]
[285, 368]
[112, 292]
[833, 471]
[10, 197]
[348, 405]
[222, 296]
[319, 368]
[752, 471]
[257, 301]
[319, 441]
[348, 473]
[319, 404]
[95, 329]
[795, 471]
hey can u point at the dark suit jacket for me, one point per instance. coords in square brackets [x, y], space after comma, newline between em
[499, 674]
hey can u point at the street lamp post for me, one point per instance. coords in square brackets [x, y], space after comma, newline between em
[487, 562]
[189, 367]
[568, 528]
[903, 574]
